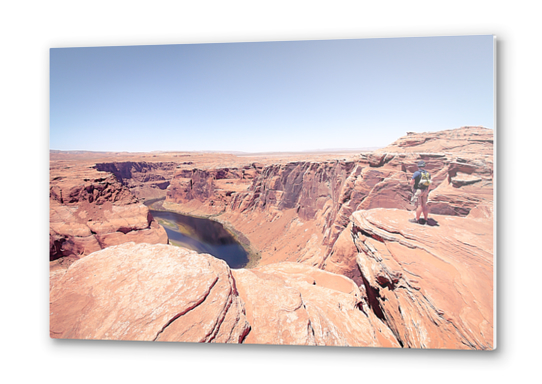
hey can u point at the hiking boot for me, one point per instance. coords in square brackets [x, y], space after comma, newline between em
[421, 221]
[413, 221]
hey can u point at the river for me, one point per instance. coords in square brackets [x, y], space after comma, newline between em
[203, 236]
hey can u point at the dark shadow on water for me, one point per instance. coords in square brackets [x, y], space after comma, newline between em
[203, 236]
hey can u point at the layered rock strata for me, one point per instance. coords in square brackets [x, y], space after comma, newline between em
[431, 284]
[212, 188]
[417, 286]
[146, 180]
[298, 211]
[91, 210]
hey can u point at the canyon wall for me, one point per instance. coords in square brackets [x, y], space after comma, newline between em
[147, 180]
[311, 213]
[431, 284]
[91, 210]
[298, 211]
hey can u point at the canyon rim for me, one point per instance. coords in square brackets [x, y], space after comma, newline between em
[283, 244]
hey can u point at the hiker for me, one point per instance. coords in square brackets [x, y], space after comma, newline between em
[420, 182]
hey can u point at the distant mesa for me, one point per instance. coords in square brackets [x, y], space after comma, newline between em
[460, 140]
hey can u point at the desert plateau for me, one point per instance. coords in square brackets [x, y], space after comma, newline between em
[330, 257]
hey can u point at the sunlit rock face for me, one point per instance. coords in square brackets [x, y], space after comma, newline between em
[432, 284]
[147, 180]
[294, 304]
[149, 293]
[163, 293]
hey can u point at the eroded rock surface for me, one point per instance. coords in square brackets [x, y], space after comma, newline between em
[147, 292]
[291, 303]
[432, 284]
[91, 210]
[475, 140]
[148, 180]
[165, 293]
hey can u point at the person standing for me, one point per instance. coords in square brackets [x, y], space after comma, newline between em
[420, 183]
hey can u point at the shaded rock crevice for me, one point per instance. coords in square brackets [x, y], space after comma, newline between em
[188, 309]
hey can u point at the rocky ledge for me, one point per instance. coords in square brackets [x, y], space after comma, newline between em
[294, 304]
[147, 292]
[165, 293]
[432, 284]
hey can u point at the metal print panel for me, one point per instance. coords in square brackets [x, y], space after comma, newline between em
[327, 193]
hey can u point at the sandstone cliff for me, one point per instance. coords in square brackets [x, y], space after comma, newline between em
[473, 140]
[431, 284]
[91, 210]
[297, 211]
[305, 212]
[147, 180]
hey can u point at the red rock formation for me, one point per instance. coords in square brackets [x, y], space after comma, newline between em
[212, 188]
[297, 211]
[165, 293]
[282, 210]
[342, 258]
[290, 303]
[147, 292]
[147, 180]
[91, 210]
[432, 284]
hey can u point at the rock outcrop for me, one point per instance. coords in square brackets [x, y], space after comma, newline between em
[297, 211]
[431, 284]
[294, 304]
[91, 210]
[165, 293]
[212, 188]
[147, 292]
[473, 140]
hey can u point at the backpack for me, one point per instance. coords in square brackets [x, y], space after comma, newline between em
[425, 179]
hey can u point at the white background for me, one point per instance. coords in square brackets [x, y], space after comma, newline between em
[28, 29]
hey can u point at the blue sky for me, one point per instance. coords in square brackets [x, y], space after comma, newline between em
[267, 96]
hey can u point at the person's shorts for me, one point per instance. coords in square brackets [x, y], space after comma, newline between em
[420, 197]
